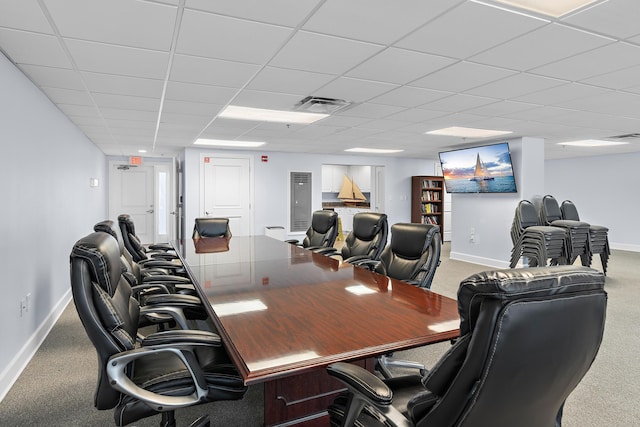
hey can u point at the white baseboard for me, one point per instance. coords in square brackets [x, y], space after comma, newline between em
[489, 262]
[625, 247]
[12, 372]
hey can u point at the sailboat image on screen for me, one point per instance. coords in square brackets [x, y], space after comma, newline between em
[481, 173]
[350, 193]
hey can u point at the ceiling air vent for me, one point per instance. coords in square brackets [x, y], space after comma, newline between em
[314, 104]
[626, 136]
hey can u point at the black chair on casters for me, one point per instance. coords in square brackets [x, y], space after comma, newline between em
[142, 376]
[527, 338]
[138, 251]
[322, 233]
[367, 239]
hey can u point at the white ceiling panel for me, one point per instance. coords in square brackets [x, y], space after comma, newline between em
[540, 47]
[384, 66]
[33, 48]
[191, 69]
[410, 67]
[323, 54]
[469, 29]
[368, 20]
[112, 59]
[209, 35]
[354, 90]
[98, 18]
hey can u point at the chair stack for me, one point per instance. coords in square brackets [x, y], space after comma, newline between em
[598, 235]
[577, 232]
[536, 242]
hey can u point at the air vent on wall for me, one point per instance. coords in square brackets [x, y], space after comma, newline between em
[314, 104]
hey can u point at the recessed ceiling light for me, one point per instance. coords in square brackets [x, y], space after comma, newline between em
[372, 150]
[264, 115]
[142, 151]
[592, 143]
[468, 132]
[224, 143]
[554, 8]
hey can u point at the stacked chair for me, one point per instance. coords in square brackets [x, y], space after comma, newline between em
[598, 235]
[536, 242]
[577, 232]
[143, 375]
[527, 338]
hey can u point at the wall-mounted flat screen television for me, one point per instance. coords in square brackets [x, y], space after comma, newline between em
[484, 169]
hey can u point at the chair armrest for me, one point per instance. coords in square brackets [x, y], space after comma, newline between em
[181, 348]
[292, 241]
[366, 263]
[356, 258]
[161, 247]
[176, 300]
[159, 263]
[328, 251]
[162, 255]
[366, 389]
[174, 310]
[165, 278]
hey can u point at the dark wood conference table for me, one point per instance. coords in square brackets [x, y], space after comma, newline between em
[284, 313]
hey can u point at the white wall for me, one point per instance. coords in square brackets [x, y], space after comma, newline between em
[605, 191]
[489, 216]
[47, 206]
[272, 183]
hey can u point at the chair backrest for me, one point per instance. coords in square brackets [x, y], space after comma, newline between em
[110, 227]
[527, 214]
[368, 237]
[211, 227]
[323, 230]
[528, 336]
[131, 241]
[413, 253]
[105, 305]
[549, 210]
[569, 211]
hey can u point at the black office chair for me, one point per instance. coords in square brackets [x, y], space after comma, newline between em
[366, 241]
[528, 337]
[323, 231]
[138, 251]
[141, 376]
[598, 235]
[211, 227]
[412, 255]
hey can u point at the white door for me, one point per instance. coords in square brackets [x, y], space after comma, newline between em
[131, 192]
[146, 193]
[227, 192]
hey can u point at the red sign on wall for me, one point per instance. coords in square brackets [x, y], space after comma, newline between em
[135, 160]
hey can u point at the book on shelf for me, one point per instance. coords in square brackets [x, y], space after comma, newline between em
[430, 220]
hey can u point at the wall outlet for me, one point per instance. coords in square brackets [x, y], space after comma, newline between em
[472, 235]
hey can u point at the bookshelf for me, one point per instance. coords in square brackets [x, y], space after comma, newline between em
[427, 201]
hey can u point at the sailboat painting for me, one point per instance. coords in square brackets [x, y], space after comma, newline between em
[485, 169]
[350, 193]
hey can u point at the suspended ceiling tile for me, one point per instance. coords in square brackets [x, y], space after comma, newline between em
[617, 18]
[355, 90]
[620, 79]
[281, 12]
[462, 76]
[515, 86]
[459, 102]
[68, 96]
[558, 94]
[112, 59]
[192, 69]
[106, 100]
[383, 67]
[32, 48]
[408, 97]
[370, 110]
[469, 29]
[215, 36]
[127, 114]
[540, 47]
[186, 107]
[268, 100]
[122, 85]
[416, 115]
[284, 80]
[140, 24]
[323, 54]
[63, 78]
[24, 15]
[501, 108]
[180, 91]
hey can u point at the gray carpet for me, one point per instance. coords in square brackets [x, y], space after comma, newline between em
[56, 388]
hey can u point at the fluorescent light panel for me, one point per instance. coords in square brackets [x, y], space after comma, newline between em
[468, 132]
[225, 143]
[554, 8]
[593, 143]
[372, 150]
[265, 115]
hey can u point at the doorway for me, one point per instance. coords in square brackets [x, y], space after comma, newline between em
[146, 193]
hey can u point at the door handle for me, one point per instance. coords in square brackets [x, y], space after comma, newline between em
[150, 211]
[172, 213]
